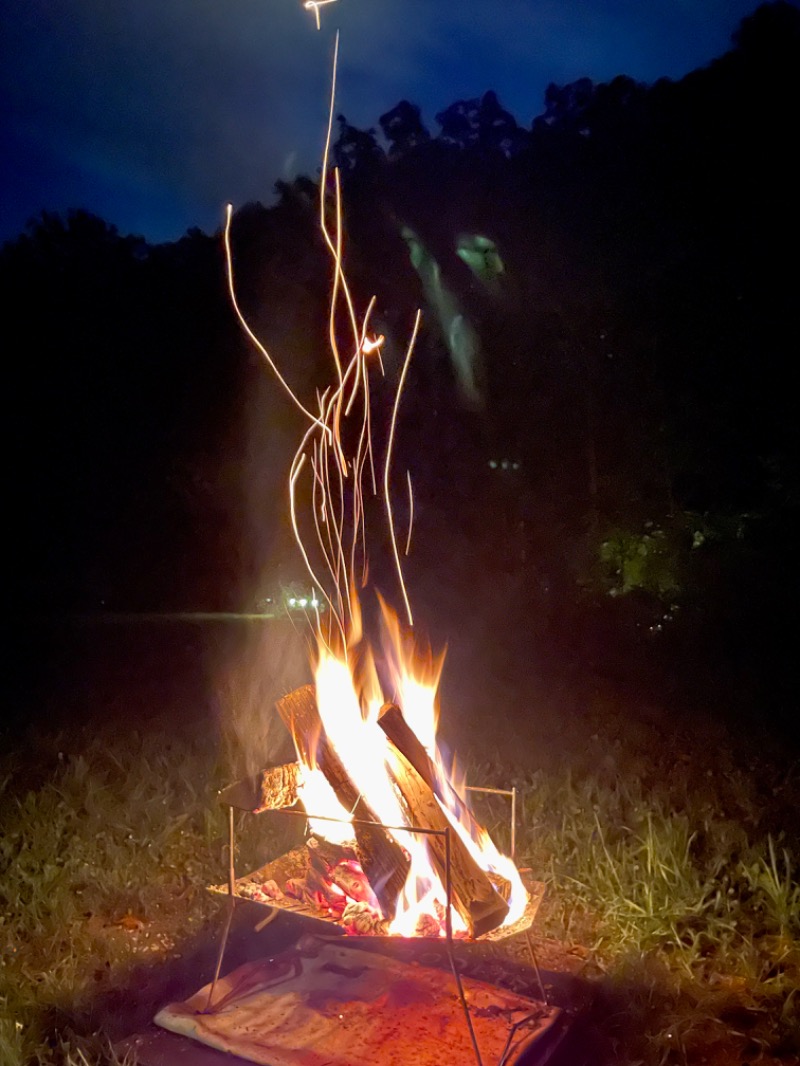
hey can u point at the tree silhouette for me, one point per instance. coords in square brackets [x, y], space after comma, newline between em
[356, 152]
[403, 129]
[480, 123]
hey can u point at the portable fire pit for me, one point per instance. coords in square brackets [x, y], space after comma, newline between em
[307, 880]
[356, 885]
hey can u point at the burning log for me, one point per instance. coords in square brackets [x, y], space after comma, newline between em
[272, 789]
[406, 741]
[277, 787]
[384, 862]
[474, 896]
[324, 855]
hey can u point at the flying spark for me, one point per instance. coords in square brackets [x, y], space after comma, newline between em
[372, 344]
[337, 462]
[315, 5]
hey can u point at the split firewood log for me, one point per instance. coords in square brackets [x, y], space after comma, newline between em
[475, 898]
[382, 859]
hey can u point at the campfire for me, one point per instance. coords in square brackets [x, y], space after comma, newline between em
[393, 848]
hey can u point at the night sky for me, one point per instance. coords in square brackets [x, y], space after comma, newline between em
[153, 115]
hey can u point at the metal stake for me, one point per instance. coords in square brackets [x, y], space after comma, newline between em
[512, 794]
[448, 928]
[514, 822]
[529, 941]
[231, 907]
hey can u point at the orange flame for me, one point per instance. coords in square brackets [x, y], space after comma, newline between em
[350, 695]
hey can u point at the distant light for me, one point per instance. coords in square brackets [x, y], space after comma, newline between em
[493, 464]
[292, 602]
[302, 603]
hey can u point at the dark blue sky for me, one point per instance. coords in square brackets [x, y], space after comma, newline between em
[154, 113]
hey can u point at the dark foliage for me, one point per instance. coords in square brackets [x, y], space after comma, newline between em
[117, 359]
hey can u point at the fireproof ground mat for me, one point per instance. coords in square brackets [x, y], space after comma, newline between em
[325, 1002]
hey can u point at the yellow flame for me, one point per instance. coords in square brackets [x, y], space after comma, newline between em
[318, 797]
[349, 697]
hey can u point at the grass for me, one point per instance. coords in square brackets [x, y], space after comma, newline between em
[104, 853]
[687, 915]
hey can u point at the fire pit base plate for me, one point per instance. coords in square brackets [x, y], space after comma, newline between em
[326, 997]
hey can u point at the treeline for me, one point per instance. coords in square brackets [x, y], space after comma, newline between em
[114, 351]
[647, 234]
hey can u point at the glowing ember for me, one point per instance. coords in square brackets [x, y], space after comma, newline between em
[372, 345]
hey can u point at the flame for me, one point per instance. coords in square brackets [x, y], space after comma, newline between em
[415, 677]
[317, 795]
[350, 694]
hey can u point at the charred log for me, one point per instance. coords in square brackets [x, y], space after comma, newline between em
[278, 787]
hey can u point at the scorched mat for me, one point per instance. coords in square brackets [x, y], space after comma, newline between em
[325, 1002]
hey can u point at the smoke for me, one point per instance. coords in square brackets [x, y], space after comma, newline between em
[269, 660]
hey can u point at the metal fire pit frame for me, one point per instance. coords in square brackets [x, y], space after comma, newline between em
[232, 897]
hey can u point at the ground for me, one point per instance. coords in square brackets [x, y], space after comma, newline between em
[612, 747]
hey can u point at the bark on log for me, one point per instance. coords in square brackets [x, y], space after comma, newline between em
[270, 790]
[474, 896]
[382, 859]
[277, 787]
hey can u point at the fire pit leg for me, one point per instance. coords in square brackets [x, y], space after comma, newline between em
[532, 953]
[514, 822]
[231, 906]
[448, 926]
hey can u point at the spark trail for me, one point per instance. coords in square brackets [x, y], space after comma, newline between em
[336, 452]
